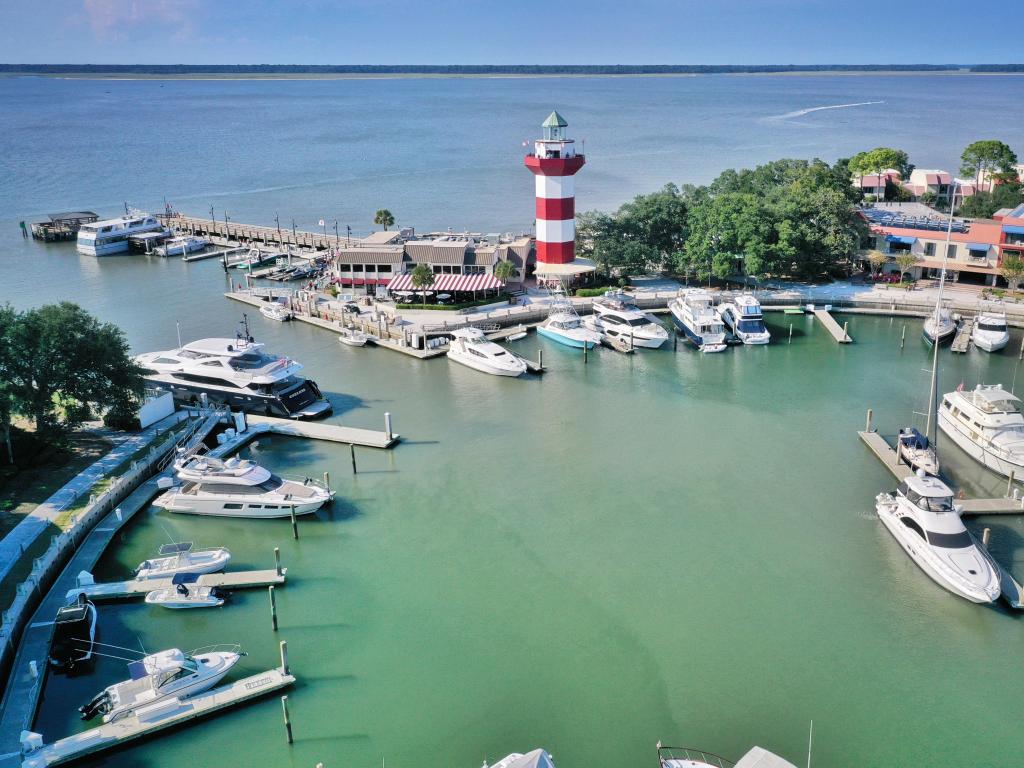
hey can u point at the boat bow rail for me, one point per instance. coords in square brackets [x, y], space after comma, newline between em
[667, 756]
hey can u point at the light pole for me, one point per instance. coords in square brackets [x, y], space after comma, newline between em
[277, 221]
[213, 221]
[337, 238]
[348, 234]
[226, 235]
[295, 236]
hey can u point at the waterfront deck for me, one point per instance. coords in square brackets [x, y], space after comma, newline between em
[334, 433]
[962, 341]
[838, 332]
[121, 590]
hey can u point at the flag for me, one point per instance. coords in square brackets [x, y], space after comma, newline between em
[960, 387]
[321, 222]
[526, 143]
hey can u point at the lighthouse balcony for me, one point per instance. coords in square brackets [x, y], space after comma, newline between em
[551, 163]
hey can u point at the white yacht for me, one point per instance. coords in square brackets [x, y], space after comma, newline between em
[162, 675]
[537, 758]
[472, 348]
[182, 246]
[940, 325]
[565, 327]
[921, 516]
[693, 757]
[102, 238]
[275, 310]
[239, 488]
[693, 313]
[617, 317]
[236, 372]
[185, 592]
[990, 332]
[986, 422]
[743, 317]
[180, 557]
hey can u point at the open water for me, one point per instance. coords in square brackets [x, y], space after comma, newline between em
[658, 546]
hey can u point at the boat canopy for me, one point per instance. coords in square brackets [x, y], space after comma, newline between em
[926, 487]
[177, 548]
[156, 662]
[994, 399]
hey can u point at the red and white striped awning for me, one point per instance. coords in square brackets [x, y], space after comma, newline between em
[444, 283]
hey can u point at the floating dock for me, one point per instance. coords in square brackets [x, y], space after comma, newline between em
[156, 717]
[962, 340]
[118, 590]
[838, 333]
[203, 255]
[334, 433]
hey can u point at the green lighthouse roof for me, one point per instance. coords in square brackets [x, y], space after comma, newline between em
[554, 120]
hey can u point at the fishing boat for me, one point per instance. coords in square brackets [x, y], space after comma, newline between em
[180, 557]
[74, 636]
[617, 318]
[694, 315]
[921, 516]
[160, 676]
[693, 757]
[182, 246]
[987, 423]
[743, 317]
[275, 310]
[353, 337]
[470, 347]
[990, 332]
[185, 592]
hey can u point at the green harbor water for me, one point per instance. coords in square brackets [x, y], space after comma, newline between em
[658, 546]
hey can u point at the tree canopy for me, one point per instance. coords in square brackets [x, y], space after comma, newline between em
[880, 159]
[989, 155]
[982, 205]
[384, 217]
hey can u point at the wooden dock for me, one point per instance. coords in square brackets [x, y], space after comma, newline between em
[334, 433]
[156, 717]
[838, 332]
[267, 237]
[962, 340]
[121, 590]
[203, 255]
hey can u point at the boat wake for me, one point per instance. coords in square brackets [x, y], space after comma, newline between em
[809, 110]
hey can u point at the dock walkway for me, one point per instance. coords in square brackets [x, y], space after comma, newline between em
[838, 333]
[116, 590]
[962, 341]
[335, 433]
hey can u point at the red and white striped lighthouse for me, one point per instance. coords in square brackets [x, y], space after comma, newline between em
[553, 163]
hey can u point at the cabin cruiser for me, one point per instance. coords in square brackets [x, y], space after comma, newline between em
[74, 636]
[617, 318]
[692, 757]
[101, 238]
[186, 592]
[160, 676]
[693, 313]
[917, 451]
[275, 310]
[182, 246]
[921, 516]
[538, 758]
[743, 317]
[940, 325]
[472, 348]
[986, 422]
[179, 557]
[235, 372]
[239, 488]
[990, 332]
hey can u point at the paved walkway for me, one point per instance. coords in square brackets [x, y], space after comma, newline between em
[38, 520]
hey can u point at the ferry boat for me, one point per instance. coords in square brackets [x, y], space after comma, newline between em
[235, 372]
[472, 348]
[617, 317]
[990, 332]
[693, 313]
[744, 319]
[986, 422]
[239, 488]
[921, 516]
[693, 757]
[102, 238]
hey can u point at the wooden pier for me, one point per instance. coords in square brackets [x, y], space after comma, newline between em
[334, 433]
[962, 341]
[156, 717]
[268, 237]
[215, 254]
[120, 590]
[838, 333]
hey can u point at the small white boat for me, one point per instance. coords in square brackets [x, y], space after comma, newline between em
[990, 332]
[517, 336]
[921, 516]
[472, 348]
[276, 311]
[182, 246]
[180, 558]
[940, 326]
[743, 317]
[164, 675]
[353, 337]
[185, 592]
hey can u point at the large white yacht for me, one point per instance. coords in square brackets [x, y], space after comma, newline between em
[162, 675]
[236, 372]
[743, 317]
[921, 516]
[239, 488]
[990, 332]
[617, 316]
[102, 238]
[693, 312]
[473, 349]
[693, 757]
[986, 422]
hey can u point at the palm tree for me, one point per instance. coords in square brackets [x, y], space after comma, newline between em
[384, 217]
[422, 277]
[505, 270]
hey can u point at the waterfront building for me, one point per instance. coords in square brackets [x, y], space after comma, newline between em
[876, 183]
[924, 180]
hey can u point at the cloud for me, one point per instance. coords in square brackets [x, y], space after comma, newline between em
[114, 19]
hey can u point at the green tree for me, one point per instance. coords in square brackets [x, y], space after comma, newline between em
[983, 205]
[597, 234]
[384, 217]
[422, 278]
[8, 318]
[905, 261]
[505, 270]
[877, 260]
[657, 221]
[879, 160]
[988, 155]
[1013, 271]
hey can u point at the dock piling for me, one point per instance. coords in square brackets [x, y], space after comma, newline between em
[387, 425]
[986, 535]
[867, 427]
[352, 451]
[790, 333]
[277, 560]
[327, 480]
[675, 339]
[1009, 485]
[295, 522]
[903, 336]
[1021, 355]
[284, 658]
[273, 607]
[584, 352]
[540, 358]
[846, 336]
[287, 719]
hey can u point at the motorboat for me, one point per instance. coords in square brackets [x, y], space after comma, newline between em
[74, 636]
[236, 372]
[182, 246]
[180, 557]
[185, 592]
[160, 676]
[254, 258]
[986, 422]
[239, 488]
[743, 317]
[537, 758]
[565, 327]
[693, 757]
[693, 312]
[940, 326]
[617, 317]
[275, 310]
[990, 332]
[921, 516]
[917, 451]
[470, 347]
[353, 337]
[102, 238]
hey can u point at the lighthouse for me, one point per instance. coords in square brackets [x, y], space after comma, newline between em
[553, 163]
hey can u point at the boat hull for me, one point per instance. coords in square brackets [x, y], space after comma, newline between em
[1003, 465]
[302, 403]
[485, 367]
[173, 501]
[567, 341]
[695, 338]
[990, 343]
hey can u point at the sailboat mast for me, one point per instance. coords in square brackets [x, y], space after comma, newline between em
[934, 390]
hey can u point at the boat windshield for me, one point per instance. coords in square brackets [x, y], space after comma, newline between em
[751, 326]
[271, 484]
[929, 503]
[959, 540]
[637, 322]
[998, 406]
[250, 360]
[997, 327]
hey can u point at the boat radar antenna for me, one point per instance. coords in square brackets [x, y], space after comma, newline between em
[244, 335]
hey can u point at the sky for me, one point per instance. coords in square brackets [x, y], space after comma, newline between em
[507, 32]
